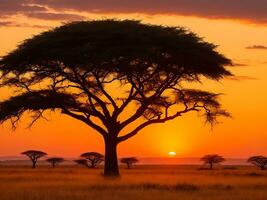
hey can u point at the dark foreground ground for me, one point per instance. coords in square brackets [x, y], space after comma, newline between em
[142, 182]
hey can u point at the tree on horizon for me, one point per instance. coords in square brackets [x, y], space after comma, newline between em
[97, 71]
[82, 162]
[54, 161]
[129, 161]
[259, 161]
[34, 156]
[93, 158]
[212, 159]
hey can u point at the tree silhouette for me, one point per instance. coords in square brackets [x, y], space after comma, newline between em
[259, 161]
[98, 71]
[55, 161]
[93, 158]
[34, 156]
[129, 161]
[82, 162]
[212, 159]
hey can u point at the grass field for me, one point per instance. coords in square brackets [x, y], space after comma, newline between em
[142, 182]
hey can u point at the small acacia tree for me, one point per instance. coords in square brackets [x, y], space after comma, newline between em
[55, 161]
[34, 156]
[259, 161]
[75, 68]
[93, 158]
[81, 162]
[212, 159]
[129, 161]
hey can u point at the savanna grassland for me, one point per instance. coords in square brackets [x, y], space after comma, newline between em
[141, 182]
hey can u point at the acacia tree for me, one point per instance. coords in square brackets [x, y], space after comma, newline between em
[212, 159]
[129, 161]
[34, 156]
[259, 161]
[76, 68]
[81, 162]
[54, 161]
[93, 158]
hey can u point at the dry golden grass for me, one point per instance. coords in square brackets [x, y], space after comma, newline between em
[142, 182]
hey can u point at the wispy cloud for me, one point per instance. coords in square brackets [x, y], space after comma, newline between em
[247, 10]
[25, 25]
[239, 65]
[5, 23]
[260, 47]
[241, 78]
[55, 16]
[29, 8]
[11, 7]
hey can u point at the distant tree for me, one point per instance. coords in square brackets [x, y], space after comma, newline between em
[259, 161]
[129, 161]
[78, 63]
[82, 162]
[34, 155]
[93, 158]
[212, 159]
[55, 161]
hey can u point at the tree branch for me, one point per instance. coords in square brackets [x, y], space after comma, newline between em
[154, 121]
[105, 93]
[147, 102]
[85, 120]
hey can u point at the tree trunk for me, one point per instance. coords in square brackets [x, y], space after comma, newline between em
[111, 160]
[33, 164]
[92, 164]
[211, 166]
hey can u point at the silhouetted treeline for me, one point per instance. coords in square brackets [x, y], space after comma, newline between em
[94, 159]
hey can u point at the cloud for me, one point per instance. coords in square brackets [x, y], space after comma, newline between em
[241, 78]
[29, 8]
[11, 7]
[55, 16]
[24, 25]
[239, 65]
[246, 10]
[5, 23]
[260, 47]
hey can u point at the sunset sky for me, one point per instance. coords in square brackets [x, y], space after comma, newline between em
[239, 27]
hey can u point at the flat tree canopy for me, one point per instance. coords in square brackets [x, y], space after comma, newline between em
[34, 155]
[55, 161]
[93, 158]
[212, 159]
[95, 71]
[83, 162]
[259, 161]
[129, 161]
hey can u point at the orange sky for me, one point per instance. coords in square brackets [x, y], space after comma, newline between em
[243, 135]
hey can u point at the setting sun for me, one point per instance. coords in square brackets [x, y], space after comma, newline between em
[172, 153]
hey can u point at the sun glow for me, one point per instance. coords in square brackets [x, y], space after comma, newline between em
[172, 153]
